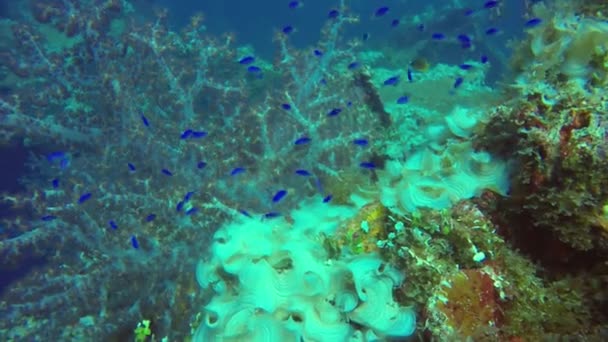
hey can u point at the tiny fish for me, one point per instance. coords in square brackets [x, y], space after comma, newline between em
[491, 31]
[353, 65]
[367, 165]
[134, 242]
[365, 36]
[131, 166]
[64, 163]
[244, 212]
[334, 112]
[191, 211]
[533, 22]
[420, 27]
[48, 218]
[279, 195]
[395, 23]
[247, 60]
[463, 38]
[198, 134]
[327, 198]
[468, 12]
[458, 82]
[113, 224]
[51, 157]
[287, 29]
[403, 100]
[145, 120]
[391, 81]
[167, 172]
[85, 197]
[185, 134]
[360, 142]
[150, 217]
[302, 172]
[302, 141]
[201, 164]
[179, 206]
[465, 66]
[272, 214]
[55, 183]
[188, 196]
[438, 36]
[294, 4]
[381, 11]
[333, 14]
[286, 106]
[484, 59]
[254, 69]
[490, 4]
[236, 171]
[409, 75]
[318, 53]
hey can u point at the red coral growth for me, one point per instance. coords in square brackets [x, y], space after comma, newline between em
[472, 306]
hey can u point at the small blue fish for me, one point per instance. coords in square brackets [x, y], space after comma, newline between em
[134, 242]
[179, 206]
[463, 38]
[367, 165]
[395, 23]
[51, 157]
[353, 65]
[327, 198]
[365, 36]
[186, 134]
[360, 142]
[145, 120]
[403, 100]
[131, 167]
[302, 172]
[303, 140]
[198, 134]
[318, 53]
[48, 218]
[491, 31]
[391, 81]
[469, 12]
[150, 217]
[381, 11]
[245, 213]
[458, 82]
[247, 60]
[84, 197]
[409, 75]
[465, 66]
[420, 27]
[438, 36]
[272, 214]
[236, 171]
[191, 211]
[334, 112]
[167, 172]
[286, 106]
[533, 22]
[333, 14]
[188, 196]
[484, 59]
[64, 163]
[294, 4]
[113, 224]
[490, 4]
[201, 164]
[254, 69]
[287, 29]
[279, 195]
[55, 183]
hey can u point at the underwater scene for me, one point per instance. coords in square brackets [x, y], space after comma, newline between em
[305, 171]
